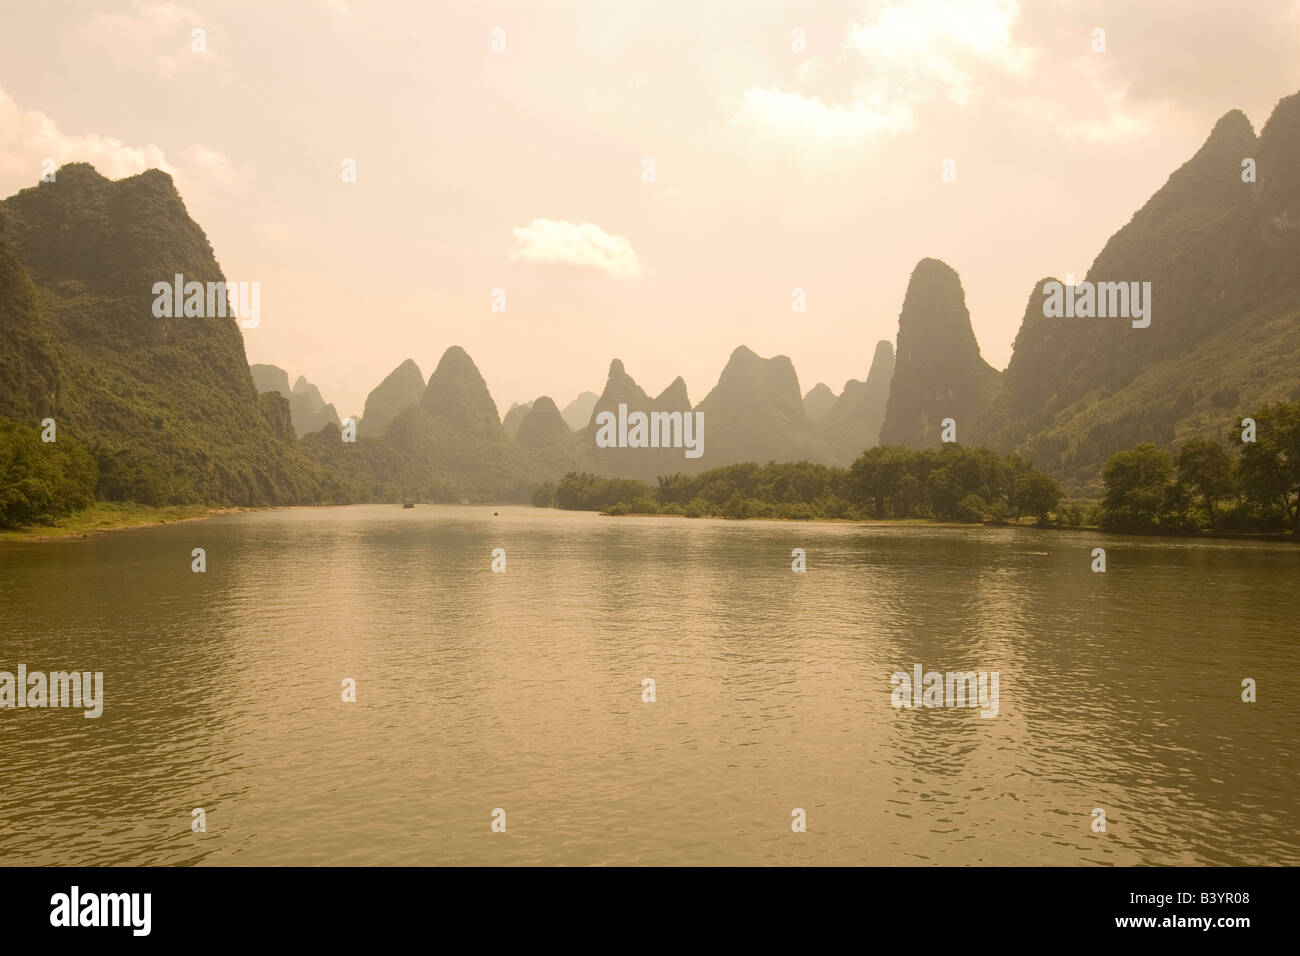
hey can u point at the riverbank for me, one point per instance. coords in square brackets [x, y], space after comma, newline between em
[113, 516]
[1202, 535]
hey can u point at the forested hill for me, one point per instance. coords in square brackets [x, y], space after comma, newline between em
[166, 406]
[1219, 244]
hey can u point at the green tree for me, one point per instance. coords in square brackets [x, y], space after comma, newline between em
[1270, 466]
[1137, 488]
[41, 482]
[1036, 494]
[1205, 469]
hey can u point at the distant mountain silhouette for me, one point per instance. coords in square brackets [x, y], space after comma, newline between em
[515, 417]
[400, 389]
[577, 414]
[307, 409]
[457, 394]
[271, 378]
[544, 427]
[643, 463]
[310, 411]
[939, 372]
[755, 413]
[852, 424]
[818, 402]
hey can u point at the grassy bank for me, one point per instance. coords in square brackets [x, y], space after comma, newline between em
[112, 516]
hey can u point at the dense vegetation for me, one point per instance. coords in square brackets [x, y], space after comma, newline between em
[953, 483]
[1255, 486]
[41, 482]
[166, 407]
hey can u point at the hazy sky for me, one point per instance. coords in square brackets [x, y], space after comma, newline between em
[524, 170]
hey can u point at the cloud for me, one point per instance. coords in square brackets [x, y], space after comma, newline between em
[914, 51]
[29, 137]
[570, 247]
[925, 47]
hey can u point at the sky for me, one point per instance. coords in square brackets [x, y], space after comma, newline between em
[646, 181]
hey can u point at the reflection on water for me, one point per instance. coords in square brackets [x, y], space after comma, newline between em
[523, 691]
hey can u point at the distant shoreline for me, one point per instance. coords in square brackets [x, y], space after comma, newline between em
[104, 517]
[1281, 536]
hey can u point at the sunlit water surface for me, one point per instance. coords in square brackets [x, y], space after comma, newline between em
[523, 691]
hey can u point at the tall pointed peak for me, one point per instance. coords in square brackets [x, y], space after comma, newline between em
[401, 388]
[934, 311]
[1232, 124]
[674, 398]
[882, 362]
[621, 388]
[456, 359]
[457, 392]
[543, 425]
[939, 371]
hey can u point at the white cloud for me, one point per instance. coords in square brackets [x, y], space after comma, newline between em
[29, 137]
[926, 47]
[568, 246]
[914, 51]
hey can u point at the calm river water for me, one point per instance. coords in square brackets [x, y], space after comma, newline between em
[523, 691]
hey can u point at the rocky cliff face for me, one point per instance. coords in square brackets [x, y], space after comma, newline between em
[939, 372]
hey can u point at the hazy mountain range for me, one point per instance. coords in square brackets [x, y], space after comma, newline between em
[172, 412]
[307, 410]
